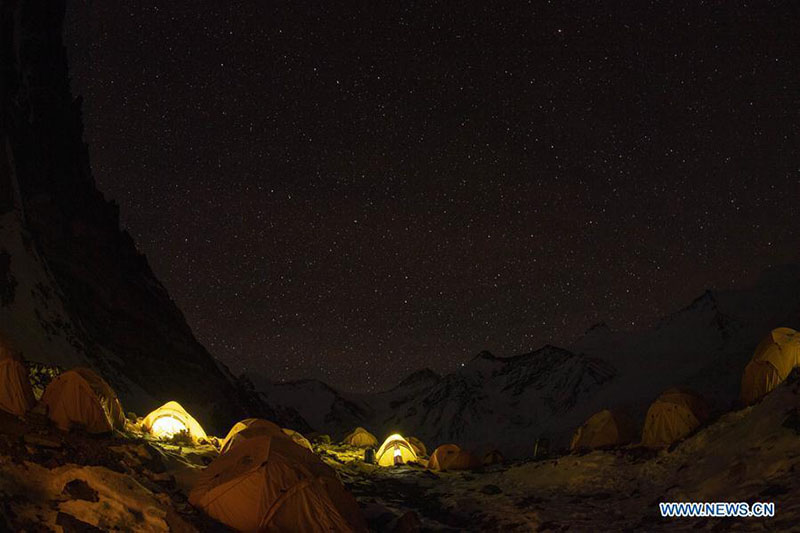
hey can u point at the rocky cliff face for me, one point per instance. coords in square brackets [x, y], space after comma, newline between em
[73, 287]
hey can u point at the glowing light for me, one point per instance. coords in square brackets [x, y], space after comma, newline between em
[397, 452]
[167, 426]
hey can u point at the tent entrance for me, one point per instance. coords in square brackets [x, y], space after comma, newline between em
[168, 426]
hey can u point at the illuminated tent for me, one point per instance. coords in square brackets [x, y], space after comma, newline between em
[268, 483]
[257, 426]
[395, 450]
[418, 446]
[360, 437]
[16, 394]
[452, 457]
[493, 457]
[171, 419]
[773, 360]
[81, 398]
[298, 438]
[673, 416]
[603, 429]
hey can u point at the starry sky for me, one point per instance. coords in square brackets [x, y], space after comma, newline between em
[354, 191]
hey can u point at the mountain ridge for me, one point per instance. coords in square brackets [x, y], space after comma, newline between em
[548, 392]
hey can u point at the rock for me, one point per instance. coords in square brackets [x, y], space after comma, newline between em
[408, 523]
[77, 489]
[41, 441]
[491, 489]
[70, 524]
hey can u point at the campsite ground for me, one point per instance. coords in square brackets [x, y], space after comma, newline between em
[51, 481]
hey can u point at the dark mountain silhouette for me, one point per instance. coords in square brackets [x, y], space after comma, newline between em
[73, 287]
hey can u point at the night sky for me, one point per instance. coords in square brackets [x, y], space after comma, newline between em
[352, 192]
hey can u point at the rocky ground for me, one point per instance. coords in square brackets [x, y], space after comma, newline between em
[52, 481]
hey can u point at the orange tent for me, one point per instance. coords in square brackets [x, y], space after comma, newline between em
[267, 483]
[16, 393]
[81, 398]
[673, 416]
[452, 457]
[395, 450]
[361, 437]
[493, 457]
[773, 360]
[171, 419]
[298, 438]
[257, 426]
[603, 429]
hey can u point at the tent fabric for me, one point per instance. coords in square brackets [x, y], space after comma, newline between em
[258, 426]
[361, 437]
[395, 446]
[81, 398]
[493, 457]
[452, 457]
[298, 438]
[603, 429]
[418, 446]
[267, 483]
[673, 416]
[16, 393]
[175, 411]
[774, 358]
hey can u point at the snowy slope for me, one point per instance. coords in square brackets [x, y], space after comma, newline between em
[32, 314]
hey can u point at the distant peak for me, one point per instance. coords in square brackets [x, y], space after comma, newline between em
[600, 327]
[708, 297]
[485, 354]
[420, 376]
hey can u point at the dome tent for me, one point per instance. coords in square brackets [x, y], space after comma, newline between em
[774, 358]
[16, 393]
[395, 450]
[360, 437]
[673, 416]
[493, 457]
[255, 426]
[298, 438]
[452, 457]
[418, 446]
[171, 419]
[268, 483]
[81, 398]
[604, 428]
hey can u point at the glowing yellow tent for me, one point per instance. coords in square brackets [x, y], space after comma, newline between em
[81, 398]
[298, 438]
[418, 446]
[395, 450]
[673, 416]
[452, 457]
[258, 426]
[360, 437]
[171, 419]
[268, 483]
[16, 394]
[603, 429]
[773, 360]
[493, 457]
